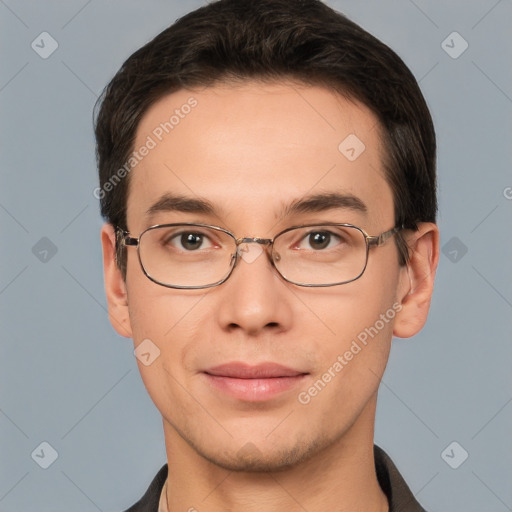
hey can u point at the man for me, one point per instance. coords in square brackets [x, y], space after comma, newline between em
[267, 174]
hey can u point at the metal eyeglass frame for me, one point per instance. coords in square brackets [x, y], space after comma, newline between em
[371, 240]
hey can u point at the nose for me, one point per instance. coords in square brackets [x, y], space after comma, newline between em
[255, 298]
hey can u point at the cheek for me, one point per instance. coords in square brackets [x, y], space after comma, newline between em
[156, 312]
[164, 326]
[163, 323]
[353, 356]
[348, 310]
[356, 320]
[361, 329]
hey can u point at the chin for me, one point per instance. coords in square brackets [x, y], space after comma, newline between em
[256, 459]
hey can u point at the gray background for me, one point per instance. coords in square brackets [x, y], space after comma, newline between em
[68, 379]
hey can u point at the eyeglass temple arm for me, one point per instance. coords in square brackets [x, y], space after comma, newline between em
[383, 237]
[125, 238]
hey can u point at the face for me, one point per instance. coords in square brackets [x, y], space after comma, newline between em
[251, 152]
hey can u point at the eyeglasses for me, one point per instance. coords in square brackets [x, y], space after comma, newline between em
[190, 255]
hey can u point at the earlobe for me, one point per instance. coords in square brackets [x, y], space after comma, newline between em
[115, 286]
[417, 280]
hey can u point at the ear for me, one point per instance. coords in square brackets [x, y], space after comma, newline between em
[417, 280]
[115, 286]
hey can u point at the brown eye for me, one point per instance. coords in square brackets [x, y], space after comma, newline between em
[319, 240]
[187, 241]
[191, 241]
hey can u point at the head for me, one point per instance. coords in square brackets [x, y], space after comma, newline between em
[239, 112]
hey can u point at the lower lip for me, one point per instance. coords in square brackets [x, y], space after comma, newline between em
[254, 390]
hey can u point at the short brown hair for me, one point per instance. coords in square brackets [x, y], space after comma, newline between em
[269, 40]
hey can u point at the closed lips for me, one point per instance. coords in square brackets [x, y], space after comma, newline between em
[245, 371]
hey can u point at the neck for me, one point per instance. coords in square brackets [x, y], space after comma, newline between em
[340, 477]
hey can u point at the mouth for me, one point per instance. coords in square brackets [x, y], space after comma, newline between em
[253, 383]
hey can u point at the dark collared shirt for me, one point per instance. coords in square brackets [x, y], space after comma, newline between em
[399, 495]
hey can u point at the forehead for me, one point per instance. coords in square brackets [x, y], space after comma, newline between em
[256, 147]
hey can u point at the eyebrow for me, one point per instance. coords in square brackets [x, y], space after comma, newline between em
[327, 201]
[174, 203]
[310, 204]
